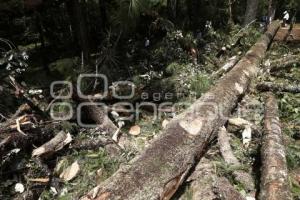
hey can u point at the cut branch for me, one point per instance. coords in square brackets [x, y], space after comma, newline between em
[226, 191]
[55, 144]
[239, 175]
[274, 178]
[278, 87]
[164, 165]
[226, 67]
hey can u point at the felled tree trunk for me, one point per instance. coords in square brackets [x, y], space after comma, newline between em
[251, 11]
[284, 63]
[278, 87]
[274, 177]
[226, 191]
[164, 165]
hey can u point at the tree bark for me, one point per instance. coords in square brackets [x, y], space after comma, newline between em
[164, 165]
[271, 10]
[251, 11]
[230, 17]
[226, 191]
[172, 9]
[274, 177]
[77, 17]
[278, 87]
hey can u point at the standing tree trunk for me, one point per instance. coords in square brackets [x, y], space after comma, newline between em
[39, 25]
[172, 9]
[274, 177]
[103, 14]
[251, 11]
[78, 21]
[271, 10]
[230, 17]
[158, 172]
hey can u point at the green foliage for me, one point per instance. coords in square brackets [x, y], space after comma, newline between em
[65, 67]
[89, 163]
[128, 12]
[200, 84]
[293, 156]
[171, 49]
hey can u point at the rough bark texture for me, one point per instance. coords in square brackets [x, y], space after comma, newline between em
[77, 15]
[226, 191]
[164, 165]
[225, 148]
[278, 87]
[271, 9]
[274, 177]
[251, 11]
[201, 181]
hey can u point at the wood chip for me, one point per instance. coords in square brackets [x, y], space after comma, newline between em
[71, 172]
[135, 130]
[39, 180]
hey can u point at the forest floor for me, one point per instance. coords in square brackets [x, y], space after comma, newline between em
[75, 168]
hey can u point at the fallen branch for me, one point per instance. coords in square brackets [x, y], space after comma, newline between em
[274, 177]
[239, 175]
[164, 165]
[284, 63]
[278, 87]
[35, 136]
[54, 145]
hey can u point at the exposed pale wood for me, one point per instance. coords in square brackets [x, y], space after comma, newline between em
[55, 144]
[239, 175]
[226, 67]
[225, 148]
[274, 177]
[163, 166]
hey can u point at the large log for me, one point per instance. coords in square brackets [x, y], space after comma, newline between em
[274, 177]
[278, 87]
[164, 165]
[226, 191]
